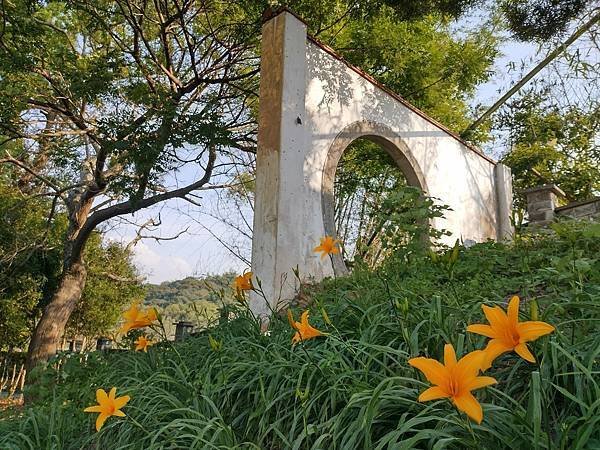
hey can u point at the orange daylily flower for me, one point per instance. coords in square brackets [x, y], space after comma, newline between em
[137, 318]
[454, 380]
[107, 406]
[328, 246]
[243, 283]
[142, 343]
[304, 331]
[506, 333]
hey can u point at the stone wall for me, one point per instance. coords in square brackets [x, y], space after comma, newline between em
[544, 205]
[588, 209]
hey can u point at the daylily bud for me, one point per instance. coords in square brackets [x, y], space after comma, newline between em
[533, 309]
[325, 317]
[214, 344]
[302, 395]
[402, 305]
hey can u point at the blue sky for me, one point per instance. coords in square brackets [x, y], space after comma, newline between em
[196, 252]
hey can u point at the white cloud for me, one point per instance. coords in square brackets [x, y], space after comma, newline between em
[160, 267]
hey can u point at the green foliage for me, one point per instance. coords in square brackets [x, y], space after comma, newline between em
[423, 60]
[191, 289]
[120, 98]
[376, 212]
[363, 165]
[354, 388]
[29, 262]
[195, 300]
[111, 285]
[535, 20]
[415, 9]
[366, 176]
[405, 217]
[402, 226]
[30, 266]
[561, 145]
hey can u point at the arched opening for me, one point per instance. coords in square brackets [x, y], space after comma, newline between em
[372, 194]
[368, 188]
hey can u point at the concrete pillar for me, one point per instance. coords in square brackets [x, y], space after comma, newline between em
[282, 138]
[504, 201]
[182, 330]
[541, 203]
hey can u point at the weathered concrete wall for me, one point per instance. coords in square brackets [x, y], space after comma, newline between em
[281, 144]
[312, 105]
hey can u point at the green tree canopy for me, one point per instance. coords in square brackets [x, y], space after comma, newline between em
[30, 266]
[551, 144]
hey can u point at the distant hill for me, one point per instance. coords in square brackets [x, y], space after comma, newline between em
[195, 300]
[190, 290]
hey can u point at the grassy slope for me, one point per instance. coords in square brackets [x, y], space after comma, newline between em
[354, 389]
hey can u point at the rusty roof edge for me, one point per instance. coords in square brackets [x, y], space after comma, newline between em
[397, 97]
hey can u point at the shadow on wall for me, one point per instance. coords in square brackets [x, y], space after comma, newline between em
[337, 98]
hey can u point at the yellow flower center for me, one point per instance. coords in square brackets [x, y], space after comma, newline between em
[454, 387]
[512, 336]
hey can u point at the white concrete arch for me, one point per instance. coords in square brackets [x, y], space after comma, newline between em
[312, 105]
[387, 139]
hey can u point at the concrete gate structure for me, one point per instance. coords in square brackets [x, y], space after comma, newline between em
[313, 104]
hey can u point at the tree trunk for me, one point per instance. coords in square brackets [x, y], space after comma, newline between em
[51, 327]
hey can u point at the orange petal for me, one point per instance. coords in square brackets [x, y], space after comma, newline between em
[93, 409]
[513, 310]
[484, 330]
[101, 396]
[470, 363]
[433, 393]
[112, 393]
[449, 356]
[524, 353]
[151, 315]
[121, 401]
[469, 405]
[296, 338]
[310, 332]
[481, 382]
[495, 316]
[100, 420]
[290, 317]
[494, 349]
[434, 371]
[469, 366]
[131, 313]
[530, 331]
[304, 319]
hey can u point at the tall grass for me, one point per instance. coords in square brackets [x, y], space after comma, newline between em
[354, 389]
